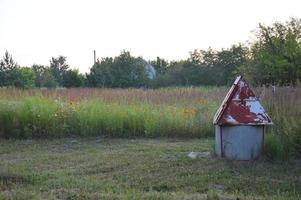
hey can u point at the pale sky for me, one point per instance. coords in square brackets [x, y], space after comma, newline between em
[33, 31]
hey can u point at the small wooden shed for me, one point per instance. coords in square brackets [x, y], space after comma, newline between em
[240, 124]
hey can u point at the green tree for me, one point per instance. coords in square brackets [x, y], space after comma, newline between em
[8, 70]
[38, 71]
[44, 76]
[276, 54]
[228, 63]
[25, 78]
[58, 66]
[47, 79]
[218, 67]
[160, 65]
[128, 71]
[101, 73]
[121, 71]
[72, 78]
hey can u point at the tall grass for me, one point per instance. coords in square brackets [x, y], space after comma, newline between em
[168, 112]
[41, 117]
[284, 137]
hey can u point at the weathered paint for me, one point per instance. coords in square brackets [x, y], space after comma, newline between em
[239, 142]
[239, 124]
[241, 107]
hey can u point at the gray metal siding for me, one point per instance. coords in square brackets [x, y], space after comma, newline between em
[218, 150]
[242, 142]
[239, 142]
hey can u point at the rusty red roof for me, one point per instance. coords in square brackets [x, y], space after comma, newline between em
[241, 107]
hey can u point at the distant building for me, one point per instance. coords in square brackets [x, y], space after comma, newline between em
[151, 72]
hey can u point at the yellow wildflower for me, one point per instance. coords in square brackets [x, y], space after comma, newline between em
[203, 102]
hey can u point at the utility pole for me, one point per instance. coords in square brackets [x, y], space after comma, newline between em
[94, 57]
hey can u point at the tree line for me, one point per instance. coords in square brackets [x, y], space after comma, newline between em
[274, 57]
[56, 74]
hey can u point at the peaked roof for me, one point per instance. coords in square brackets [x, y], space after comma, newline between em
[241, 107]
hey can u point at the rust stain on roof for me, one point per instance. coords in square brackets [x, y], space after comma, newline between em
[241, 106]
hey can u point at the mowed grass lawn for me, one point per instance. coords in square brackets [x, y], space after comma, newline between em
[100, 168]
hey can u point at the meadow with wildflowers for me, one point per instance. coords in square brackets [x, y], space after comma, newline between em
[134, 144]
[178, 112]
[185, 112]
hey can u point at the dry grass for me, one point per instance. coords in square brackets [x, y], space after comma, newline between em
[190, 96]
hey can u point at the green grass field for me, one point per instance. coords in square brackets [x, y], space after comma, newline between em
[133, 144]
[99, 168]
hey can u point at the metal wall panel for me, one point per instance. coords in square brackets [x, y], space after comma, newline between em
[218, 149]
[241, 142]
